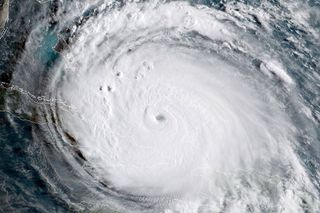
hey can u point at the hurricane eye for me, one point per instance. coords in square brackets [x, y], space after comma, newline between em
[160, 118]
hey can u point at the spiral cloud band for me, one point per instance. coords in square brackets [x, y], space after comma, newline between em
[175, 107]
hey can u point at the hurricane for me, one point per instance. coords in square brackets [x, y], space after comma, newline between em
[160, 106]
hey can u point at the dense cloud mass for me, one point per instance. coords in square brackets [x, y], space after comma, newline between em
[172, 106]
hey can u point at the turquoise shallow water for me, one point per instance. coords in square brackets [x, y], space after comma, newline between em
[44, 170]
